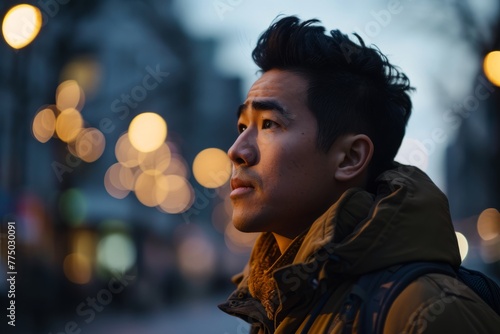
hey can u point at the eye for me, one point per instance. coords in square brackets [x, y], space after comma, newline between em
[268, 124]
[241, 128]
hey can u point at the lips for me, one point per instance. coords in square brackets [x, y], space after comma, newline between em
[239, 183]
[240, 187]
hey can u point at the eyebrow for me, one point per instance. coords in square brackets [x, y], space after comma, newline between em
[266, 105]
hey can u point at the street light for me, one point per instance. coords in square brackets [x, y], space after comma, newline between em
[21, 25]
[491, 67]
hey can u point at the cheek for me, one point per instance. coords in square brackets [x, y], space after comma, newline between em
[310, 167]
[290, 160]
[302, 158]
[301, 169]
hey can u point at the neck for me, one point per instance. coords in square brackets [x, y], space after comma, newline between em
[283, 242]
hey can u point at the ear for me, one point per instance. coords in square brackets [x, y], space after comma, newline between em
[354, 155]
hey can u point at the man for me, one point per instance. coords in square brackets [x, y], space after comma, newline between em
[313, 171]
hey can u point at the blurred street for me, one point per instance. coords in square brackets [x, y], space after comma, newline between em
[185, 318]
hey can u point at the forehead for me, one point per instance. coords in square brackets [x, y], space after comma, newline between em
[287, 87]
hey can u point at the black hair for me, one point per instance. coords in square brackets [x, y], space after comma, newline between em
[352, 87]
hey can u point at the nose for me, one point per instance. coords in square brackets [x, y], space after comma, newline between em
[244, 150]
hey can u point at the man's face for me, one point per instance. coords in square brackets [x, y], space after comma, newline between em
[281, 181]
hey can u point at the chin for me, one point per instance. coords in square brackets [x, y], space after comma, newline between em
[243, 226]
[246, 225]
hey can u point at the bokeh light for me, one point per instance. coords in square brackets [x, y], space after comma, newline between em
[116, 252]
[44, 125]
[83, 242]
[127, 177]
[488, 224]
[127, 154]
[463, 245]
[73, 206]
[177, 166]
[490, 250]
[197, 257]
[77, 268]
[69, 123]
[90, 144]
[212, 168]
[220, 217]
[69, 94]
[86, 71]
[147, 190]
[237, 241]
[491, 66]
[180, 194]
[156, 161]
[147, 131]
[113, 182]
[21, 25]
[71, 147]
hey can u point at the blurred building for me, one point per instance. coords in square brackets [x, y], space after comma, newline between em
[473, 157]
[473, 184]
[75, 231]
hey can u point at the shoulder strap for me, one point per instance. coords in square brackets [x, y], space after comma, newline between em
[482, 285]
[374, 293]
[315, 313]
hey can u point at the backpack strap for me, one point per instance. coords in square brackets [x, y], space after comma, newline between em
[374, 293]
[482, 285]
[315, 313]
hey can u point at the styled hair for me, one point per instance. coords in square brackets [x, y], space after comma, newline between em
[352, 88]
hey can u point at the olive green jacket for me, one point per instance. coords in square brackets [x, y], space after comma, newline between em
[407, 220]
